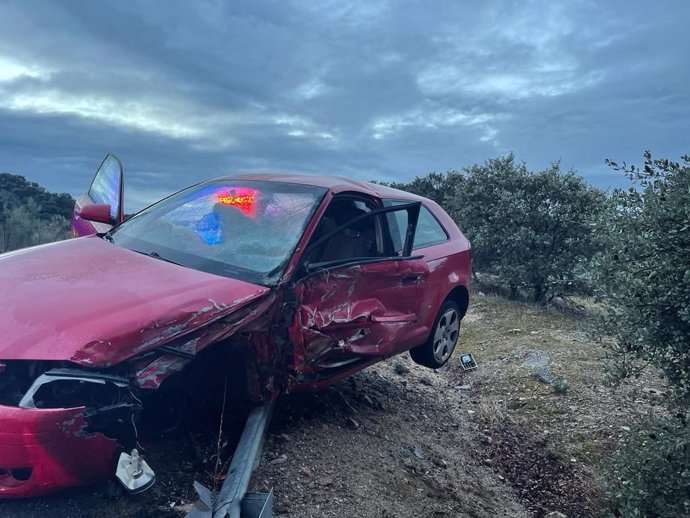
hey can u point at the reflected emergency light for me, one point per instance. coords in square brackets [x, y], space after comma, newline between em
[243, 198]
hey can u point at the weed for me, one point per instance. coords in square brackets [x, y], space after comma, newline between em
[560, 386]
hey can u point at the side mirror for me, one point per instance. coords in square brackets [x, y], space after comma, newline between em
[99, 212]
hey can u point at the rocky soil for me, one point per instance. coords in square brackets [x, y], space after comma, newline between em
[395, 441]
[523, 435]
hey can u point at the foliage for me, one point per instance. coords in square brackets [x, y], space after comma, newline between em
[650, 476]
[435, 186]
[528, 229]
[30, 215]
[15, 190]
[644, 271]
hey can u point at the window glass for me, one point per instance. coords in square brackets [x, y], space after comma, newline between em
[106, 185]
[242, 229]
[358, 240]
[429, 230]
[397, 223]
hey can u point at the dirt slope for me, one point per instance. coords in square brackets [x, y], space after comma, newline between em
[394, 441]
[523, 435]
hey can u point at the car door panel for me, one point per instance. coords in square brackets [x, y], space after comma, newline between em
[353, 307]
[361, 310]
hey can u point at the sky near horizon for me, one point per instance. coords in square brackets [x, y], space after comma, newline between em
[181, 90]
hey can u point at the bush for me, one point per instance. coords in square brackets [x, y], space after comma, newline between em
[529, 229]
[643, 277]
[24, 225]
[650, 476]
[644, 271]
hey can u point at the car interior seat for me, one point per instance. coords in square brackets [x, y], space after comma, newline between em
[356, 240]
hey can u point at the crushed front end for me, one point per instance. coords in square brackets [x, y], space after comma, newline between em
[61, 427]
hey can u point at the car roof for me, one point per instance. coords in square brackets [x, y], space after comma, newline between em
[335, 184]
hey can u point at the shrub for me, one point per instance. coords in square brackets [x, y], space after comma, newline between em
[650, 476]
[24, 225]
[644, 271]
[529, 229]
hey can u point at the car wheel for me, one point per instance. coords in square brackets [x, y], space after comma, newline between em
[444, 335]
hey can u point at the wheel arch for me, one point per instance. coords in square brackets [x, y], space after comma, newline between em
[461, 296]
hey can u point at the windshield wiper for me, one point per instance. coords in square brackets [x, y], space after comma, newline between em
[158, 256]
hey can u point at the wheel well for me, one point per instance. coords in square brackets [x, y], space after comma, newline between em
[461, 296]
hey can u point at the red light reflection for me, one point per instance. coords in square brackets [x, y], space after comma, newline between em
[243, 198]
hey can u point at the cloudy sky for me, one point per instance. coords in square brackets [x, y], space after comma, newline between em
[186, 90]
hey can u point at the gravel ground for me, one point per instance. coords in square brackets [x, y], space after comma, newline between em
[400, 440]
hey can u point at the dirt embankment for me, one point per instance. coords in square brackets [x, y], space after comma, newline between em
[521, 436]
[394, 441]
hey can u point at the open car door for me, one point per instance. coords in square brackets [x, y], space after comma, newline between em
[105, 189]
[359, 307]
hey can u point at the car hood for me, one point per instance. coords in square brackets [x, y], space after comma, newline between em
[97, 304]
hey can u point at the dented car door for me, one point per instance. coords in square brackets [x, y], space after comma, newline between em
[353, 308]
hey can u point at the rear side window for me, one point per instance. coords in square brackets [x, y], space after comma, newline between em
[429, 230]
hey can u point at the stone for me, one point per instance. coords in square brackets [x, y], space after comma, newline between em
[544, 375]
[325, 481]
[486, 439]
[353, 423]
[282, 459]
[401, 368]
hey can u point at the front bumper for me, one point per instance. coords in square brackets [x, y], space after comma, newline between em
[43, 450]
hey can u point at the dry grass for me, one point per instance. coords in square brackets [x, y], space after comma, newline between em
[574, 411]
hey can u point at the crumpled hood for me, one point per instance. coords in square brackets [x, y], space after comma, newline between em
[97, 304]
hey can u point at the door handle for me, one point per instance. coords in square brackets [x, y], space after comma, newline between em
[413, 278]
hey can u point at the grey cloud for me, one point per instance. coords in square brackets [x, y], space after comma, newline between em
[187, 90]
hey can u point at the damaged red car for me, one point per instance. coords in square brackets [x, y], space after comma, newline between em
[263, 283]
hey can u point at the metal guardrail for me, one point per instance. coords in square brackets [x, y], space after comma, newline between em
[233, 501]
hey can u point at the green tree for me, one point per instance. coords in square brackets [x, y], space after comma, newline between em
[30, 215]
[435, 186]
[531, 230]
[24, 225]
[643, 275]
[644, 271]
[15, 190]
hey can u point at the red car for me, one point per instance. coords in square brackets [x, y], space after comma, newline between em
[266, 283]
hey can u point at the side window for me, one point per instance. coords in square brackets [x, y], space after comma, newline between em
[429, 230]
[397, 224]
[361, 239]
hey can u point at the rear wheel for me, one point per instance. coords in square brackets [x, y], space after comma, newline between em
[444, 335]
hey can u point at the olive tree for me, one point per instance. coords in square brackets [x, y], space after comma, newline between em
[529, 229]
[643, 273]
[644, 269]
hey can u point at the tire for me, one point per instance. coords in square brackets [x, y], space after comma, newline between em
[444, 335]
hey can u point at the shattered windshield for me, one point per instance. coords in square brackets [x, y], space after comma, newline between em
[242, 229]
